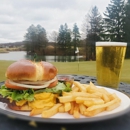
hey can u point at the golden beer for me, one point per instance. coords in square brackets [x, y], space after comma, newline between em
[109, 61]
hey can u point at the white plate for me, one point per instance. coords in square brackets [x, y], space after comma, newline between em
[66, 118]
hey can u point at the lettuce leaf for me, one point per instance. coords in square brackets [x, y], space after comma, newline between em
[28, 94]
[17, 95]
[57, 90]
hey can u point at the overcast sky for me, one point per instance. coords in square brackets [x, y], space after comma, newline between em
[17, 15]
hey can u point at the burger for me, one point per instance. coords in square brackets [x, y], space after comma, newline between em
[26, 78]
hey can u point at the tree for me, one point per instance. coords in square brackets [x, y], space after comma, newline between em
[76, 38]
[113, 28]
[93, 29]
[127, 27]
[127, 21]
[61, 36]
[68, 45]
[42, 37]
[64, 40]
[54, 38]
[36, 39]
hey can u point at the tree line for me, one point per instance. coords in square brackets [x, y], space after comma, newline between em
[113, 25]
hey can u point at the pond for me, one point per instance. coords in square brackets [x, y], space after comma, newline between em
[13, 55]
[18, 55]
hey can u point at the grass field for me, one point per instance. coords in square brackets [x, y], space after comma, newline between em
[83, 68]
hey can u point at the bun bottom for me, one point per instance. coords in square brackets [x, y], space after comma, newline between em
[19, 108]
[13, 106]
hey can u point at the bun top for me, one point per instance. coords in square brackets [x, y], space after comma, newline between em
[31, 71]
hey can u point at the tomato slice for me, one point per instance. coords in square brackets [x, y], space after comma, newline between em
[8, 85]
[53, 84]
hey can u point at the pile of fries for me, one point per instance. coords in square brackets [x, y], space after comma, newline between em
[87, 100]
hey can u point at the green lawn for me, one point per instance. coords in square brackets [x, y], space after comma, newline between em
[83, 68]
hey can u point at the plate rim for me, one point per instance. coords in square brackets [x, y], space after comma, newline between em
[67, 120]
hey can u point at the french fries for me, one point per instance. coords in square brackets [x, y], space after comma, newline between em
[71, 111]
[94, 112]
[37, 111]
[82, 108]
[52, 111]
[76, 113]
[61, 109]
[67, 106]
[65, 99]
[86, 100]
[81, 87]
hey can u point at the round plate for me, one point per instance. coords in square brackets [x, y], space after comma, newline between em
[66, 118]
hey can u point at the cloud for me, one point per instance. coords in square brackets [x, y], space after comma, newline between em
[17, 15]
[35, 4]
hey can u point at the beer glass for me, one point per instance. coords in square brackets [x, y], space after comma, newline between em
[109, 62]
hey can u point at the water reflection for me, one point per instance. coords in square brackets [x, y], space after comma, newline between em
[18, 55]
[52, 58]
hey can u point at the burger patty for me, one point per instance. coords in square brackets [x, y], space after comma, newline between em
[2, 99]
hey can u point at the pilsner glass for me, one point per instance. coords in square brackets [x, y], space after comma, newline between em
[109, 62]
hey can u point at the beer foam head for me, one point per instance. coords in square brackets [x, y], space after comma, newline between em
[111, 44]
